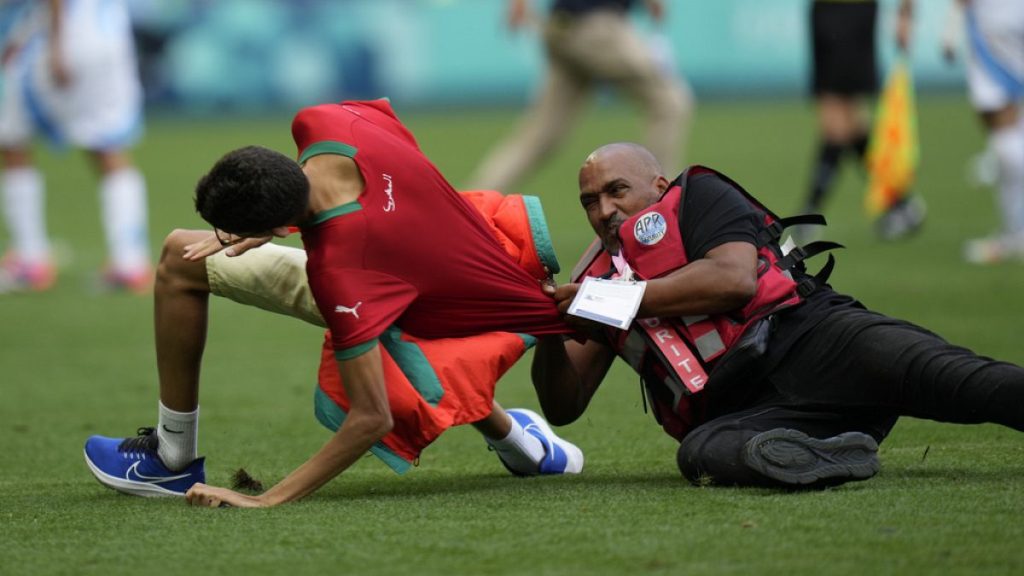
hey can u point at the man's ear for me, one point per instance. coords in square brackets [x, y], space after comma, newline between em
[661, 183]
[281, 231]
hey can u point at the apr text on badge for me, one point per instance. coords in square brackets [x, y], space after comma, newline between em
[611, 302]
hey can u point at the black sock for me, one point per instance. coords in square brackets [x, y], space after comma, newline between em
[859, 146]
[824, 172]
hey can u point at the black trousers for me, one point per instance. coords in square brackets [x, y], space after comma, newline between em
[855, 371]
[843, 48]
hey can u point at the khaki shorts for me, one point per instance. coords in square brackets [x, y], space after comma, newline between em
[270, 277]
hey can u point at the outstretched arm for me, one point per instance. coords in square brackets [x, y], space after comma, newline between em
[369, 420]
[58, 65]
[904, 21]
[566, 374]
[725, 279]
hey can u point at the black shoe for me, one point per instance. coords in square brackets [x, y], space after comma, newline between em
[796, 459]
[902, 219]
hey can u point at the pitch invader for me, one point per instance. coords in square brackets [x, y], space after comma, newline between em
[70, 74]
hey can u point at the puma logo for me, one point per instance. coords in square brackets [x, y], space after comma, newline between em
[346, 310]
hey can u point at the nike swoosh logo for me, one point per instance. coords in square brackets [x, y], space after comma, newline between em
[549, 450]
[133, 475]
[166, 429]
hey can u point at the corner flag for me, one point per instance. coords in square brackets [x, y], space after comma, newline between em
[893, 150]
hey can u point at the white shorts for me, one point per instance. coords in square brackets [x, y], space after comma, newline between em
[995, 66]
[101, 108]
[270, 277]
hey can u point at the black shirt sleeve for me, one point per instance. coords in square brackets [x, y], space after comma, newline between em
[713, 213]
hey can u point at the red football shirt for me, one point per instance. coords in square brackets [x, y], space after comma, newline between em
[410, 251]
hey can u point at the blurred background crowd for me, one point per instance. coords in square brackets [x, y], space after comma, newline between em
[237, 54]
[257, 59]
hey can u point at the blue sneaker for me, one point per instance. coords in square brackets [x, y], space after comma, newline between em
[560, 456]
[132, 466]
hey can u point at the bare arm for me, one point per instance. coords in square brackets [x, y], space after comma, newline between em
[58, 67]
[566, 375]
[903, 25]
[212, 244]
[724, 280]
[369, 420]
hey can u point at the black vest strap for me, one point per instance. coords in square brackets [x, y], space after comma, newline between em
[812, 283]
[773, 232]
[800, 253]
[588, 258]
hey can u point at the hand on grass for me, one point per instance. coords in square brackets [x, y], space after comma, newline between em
[213, 497]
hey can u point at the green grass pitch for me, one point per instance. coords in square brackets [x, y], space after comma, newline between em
[74, 362]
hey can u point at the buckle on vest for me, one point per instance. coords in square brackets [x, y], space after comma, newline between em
[773, 232]
[795, 256]
[800, 253]
[770, 233]
[812, 283]
[807, 286]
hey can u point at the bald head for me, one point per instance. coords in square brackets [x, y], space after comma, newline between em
[625, 156]
[617, 181]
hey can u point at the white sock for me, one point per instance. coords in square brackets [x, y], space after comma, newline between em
[25, 210]
[123, 201]
[520, 451]
[1008, 145]
[179, 437]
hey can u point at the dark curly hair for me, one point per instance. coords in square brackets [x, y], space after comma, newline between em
[251, 190]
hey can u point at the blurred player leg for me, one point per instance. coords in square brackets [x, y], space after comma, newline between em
[995, 77]
[527, 445]
[124, 217]
[844, 73]
[27, 264]
[629, 62]
[544, 126]
[1008, 144]
[102, 113]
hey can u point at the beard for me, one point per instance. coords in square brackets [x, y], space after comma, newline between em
[610, 236]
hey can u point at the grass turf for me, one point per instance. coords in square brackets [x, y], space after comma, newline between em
[74, 362]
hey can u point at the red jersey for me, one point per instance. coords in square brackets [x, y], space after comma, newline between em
[410, 251]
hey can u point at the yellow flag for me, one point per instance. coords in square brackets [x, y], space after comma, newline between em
[893, 150]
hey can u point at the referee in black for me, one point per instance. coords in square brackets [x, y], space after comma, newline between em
[844, 78]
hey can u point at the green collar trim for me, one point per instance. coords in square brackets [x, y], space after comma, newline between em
[327, 147]
[541, 235]
[348, 208]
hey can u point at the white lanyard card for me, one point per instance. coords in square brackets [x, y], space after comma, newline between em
[611, 302]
